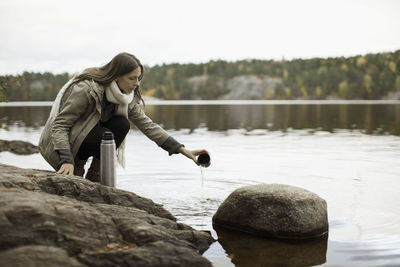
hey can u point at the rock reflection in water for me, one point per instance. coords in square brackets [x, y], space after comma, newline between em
[246, 250]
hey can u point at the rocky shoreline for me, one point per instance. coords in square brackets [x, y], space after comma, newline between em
[18, 147]
[47, 219]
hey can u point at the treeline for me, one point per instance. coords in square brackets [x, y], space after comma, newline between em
[30, 86]
[371, 76]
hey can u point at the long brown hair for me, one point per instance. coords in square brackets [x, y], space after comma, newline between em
[121, 64]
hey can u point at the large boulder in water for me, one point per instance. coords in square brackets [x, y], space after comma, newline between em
[274, 210]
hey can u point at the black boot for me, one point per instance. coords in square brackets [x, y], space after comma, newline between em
[93, 173]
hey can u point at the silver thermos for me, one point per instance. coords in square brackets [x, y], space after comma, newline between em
[107, 159]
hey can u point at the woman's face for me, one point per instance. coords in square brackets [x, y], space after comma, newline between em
[128, 82]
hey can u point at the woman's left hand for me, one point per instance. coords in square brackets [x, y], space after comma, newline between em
[192, 154]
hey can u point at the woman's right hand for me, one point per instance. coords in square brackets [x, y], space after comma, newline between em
[192, 154]
[66, 168]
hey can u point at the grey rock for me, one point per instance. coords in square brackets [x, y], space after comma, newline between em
[156, 254]
[36, 218]
[93, 224]
[18, 147]
[274, 210]
[37, 256]
[77, 188]
[141, 228]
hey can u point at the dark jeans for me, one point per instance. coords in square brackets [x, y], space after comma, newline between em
[118, 125]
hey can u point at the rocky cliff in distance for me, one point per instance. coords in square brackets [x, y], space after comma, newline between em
[241, 87]
[48, 219]
[251, 87]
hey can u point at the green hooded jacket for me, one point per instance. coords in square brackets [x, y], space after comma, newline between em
[80, 111]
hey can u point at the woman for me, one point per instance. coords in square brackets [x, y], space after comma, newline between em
[98, 100]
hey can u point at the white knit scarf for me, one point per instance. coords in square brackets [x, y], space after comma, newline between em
[56, 105]
[113, 95]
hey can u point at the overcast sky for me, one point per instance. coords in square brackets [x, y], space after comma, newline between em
[58, 36]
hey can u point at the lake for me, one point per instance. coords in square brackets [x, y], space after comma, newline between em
[348, 152]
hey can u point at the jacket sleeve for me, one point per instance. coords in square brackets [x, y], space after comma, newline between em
[65, 157]
[70, 111]
[151, 129]
[171, 145]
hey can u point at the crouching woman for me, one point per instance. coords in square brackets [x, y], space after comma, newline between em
[98, 100]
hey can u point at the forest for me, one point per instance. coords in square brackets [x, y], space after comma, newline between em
[370, 76]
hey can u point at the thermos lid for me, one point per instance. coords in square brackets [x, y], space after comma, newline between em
[108, 136]
[204, 159]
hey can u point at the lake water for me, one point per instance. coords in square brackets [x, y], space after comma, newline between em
[347, 152]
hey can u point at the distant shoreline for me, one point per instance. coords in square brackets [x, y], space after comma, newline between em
[225, 102]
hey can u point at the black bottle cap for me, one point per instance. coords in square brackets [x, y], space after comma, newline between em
[108, 136]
